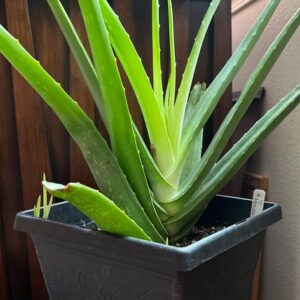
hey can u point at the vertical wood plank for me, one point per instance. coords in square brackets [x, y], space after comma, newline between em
[204, 69]
[14, 271]
[164, 43]
[32, 140]
[79, 170]
[222, 52]
[13, 244]
[3, 279]
[182, 35]
[51, 50]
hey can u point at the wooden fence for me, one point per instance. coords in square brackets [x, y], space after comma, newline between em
[32, 139]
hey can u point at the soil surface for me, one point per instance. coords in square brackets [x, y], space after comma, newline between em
[200, 232]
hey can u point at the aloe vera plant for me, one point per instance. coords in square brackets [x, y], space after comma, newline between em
[155, 193]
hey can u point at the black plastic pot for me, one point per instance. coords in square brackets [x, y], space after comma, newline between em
[80, 263]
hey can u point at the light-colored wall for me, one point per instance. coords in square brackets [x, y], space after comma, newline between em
[279, 157]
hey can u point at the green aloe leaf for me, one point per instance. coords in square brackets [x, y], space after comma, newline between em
[233, 118]
[188, 75]
[37, 208]
[232, 161]
[90, 76]
[104, 212]
[115, 105]
[171, 86]
[157, 73]
[157, 180]
[79, 52]
[193, 156]
[131, 62]
[221, 82]
[101, 161]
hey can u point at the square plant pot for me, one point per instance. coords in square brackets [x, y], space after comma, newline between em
[79, 262]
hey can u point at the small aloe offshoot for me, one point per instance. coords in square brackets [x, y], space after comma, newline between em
[46, 204]
[154, 192]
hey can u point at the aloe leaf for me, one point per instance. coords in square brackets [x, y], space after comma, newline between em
[81, 56]
[217, 88]
[195, 97]
[172, 79]
[47, 208]
[37, 208]
[104, 212]
[192, 160]
[188, 75]
[115, 105]
[193, 156]
[233, 118]
[101, 161]
[187, 227]
[157, 73]
[131, 62]
[45, 196]
[155, 177]
[161, 186]
[171, 86]
[79, 52]
[232, 161]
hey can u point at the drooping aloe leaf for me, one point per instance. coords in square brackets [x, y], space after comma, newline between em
[233, 118]
[157, 73]
[232, 161]
[221, 82]
[102, 163]
[188, 75]
[131, 62]
[104, 212]
[79, 52]
[115, 105]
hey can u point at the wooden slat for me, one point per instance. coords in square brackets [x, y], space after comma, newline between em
[3, 278]
[13, 244]
[13, 253]
[204, 70]
[222, 52]
[32, 140]
[51, 50]
[182, 35]
[79, 91]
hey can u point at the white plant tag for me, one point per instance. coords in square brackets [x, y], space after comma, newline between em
[259, 197]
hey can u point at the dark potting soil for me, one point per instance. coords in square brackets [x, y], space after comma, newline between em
[197, 233]
[200, 232]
